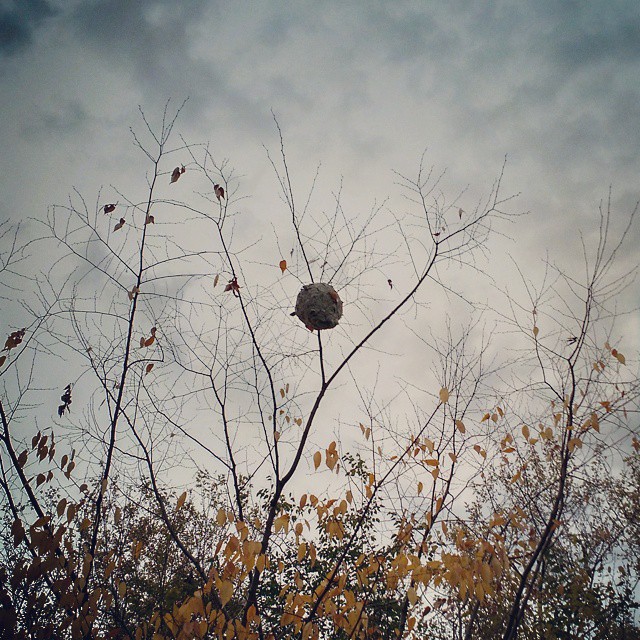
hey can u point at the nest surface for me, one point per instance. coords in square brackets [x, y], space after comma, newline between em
[319, 306]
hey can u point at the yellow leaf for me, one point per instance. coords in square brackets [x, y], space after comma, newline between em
[420, 487]
[444, 395]
[225, 591]
[283, 265]
[460, 426]
[317, 459]
[181, 500]
[412, 595]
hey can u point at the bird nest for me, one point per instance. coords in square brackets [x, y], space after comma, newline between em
[319, 306]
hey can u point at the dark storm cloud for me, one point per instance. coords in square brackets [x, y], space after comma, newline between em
[150, 41]
[18, 20]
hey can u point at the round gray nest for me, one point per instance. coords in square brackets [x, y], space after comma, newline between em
[319, 306]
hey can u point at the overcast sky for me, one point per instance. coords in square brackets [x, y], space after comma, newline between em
[362, 87]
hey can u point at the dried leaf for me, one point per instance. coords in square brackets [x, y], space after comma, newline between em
[148, 368]
[219, 191]
[460, 212]
[3, 359]
[317, 459]
[535, 332]
[150, 219]
[390, 283]
[233, 286]
[176, 173]
[119, 225]
[109, 208]
[181, 500]
[215, 280]
[226, 591]
[444, 395]
[460, 426]
[283, 265]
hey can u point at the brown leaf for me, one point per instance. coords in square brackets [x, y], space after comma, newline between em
[390, 283]
[233, 286]
[181, 500]
[216, 280]
[109, 208]
[176, 173]
[219, 191]
[460, 212]
[150, 219]
[149, 341]
[119, 225]
[283, 265]
[2, 360]
[148, 367]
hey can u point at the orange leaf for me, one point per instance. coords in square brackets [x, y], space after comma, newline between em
[460, 426]
[181, 500]
[283, 265]
[317, 459]
[148, 367]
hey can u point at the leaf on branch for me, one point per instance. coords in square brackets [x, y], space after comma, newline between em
[131, 294]
[226, 591]
[109, 208]
[66, 401]
[215, 280]
[181, 500]
[148, 368]
[460, 426]
[219, 191]
[283, 265]
[460, 212]
[119, 224]
[176, 173]
[444, 395]
[233, 286]
[317, 459]
[14, 340]
[390, 283]
[150, 219]
[535, 332]
[22, 458]
[3, 359]
[618, 356]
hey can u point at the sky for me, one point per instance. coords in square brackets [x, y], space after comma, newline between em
[361, 87]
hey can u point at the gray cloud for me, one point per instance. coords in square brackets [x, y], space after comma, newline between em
[18, 21]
